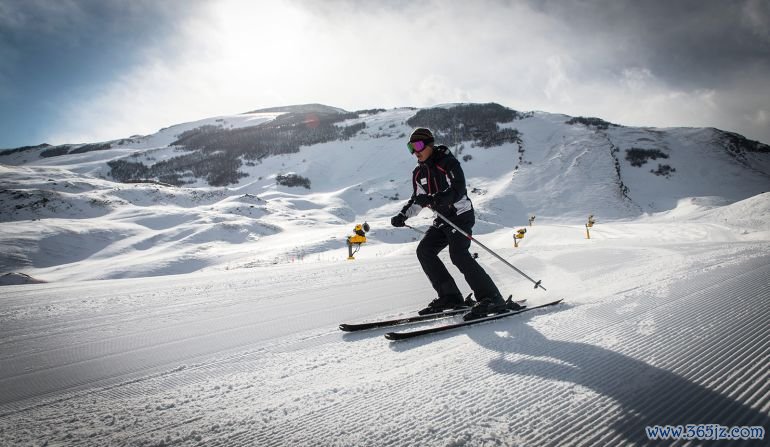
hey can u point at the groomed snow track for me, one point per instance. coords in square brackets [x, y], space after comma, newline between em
[692, 349]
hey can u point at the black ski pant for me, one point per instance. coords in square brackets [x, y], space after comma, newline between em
[436, 239]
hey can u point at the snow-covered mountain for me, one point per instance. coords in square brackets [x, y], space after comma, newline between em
[197, 301]
[290, 183]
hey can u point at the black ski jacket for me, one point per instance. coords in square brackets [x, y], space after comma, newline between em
[442, 177]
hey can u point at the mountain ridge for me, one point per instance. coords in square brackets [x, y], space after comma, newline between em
[229, 151]
[324, 172]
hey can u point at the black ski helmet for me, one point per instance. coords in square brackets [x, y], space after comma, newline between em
[422, 134]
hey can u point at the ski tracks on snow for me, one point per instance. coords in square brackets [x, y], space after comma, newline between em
[689, 348]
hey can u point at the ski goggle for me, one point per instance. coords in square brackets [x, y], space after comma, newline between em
[416, 146]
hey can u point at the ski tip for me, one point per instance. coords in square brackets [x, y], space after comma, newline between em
[398, 336]
[344, 327]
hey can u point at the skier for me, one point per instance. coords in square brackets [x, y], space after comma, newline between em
[439, 183]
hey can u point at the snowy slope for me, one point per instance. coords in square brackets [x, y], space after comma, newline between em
[203, 315]
[558, 172]
[703, 168]
[668, 330]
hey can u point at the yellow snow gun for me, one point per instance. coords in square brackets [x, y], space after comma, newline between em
[589, 224]
[356, 239]
[518, 235]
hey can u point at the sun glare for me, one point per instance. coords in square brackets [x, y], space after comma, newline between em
[255, 42]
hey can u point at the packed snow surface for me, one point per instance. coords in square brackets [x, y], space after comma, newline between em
[662, 324]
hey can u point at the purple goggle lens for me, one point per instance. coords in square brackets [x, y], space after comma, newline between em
[416, 146]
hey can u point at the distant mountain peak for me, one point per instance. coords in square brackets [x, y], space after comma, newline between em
[302, 108]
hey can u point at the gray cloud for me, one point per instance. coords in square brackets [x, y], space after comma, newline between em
[710, 58]
[690, 43]
[55, 52]
[686, 43]
[652, 63]
[41, 33]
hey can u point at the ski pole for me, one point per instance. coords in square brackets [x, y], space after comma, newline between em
[537, 283]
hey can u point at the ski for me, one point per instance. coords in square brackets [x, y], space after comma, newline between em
[397, 321]
[469, 302]
[410, 334]
[347, 327]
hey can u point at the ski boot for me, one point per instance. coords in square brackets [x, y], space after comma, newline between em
[443, 303]
[513, 305]
[488, 306]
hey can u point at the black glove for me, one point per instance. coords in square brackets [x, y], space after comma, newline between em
[423, 200]
[399, 220]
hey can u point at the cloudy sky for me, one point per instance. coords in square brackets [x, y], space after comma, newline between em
[92, 70]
